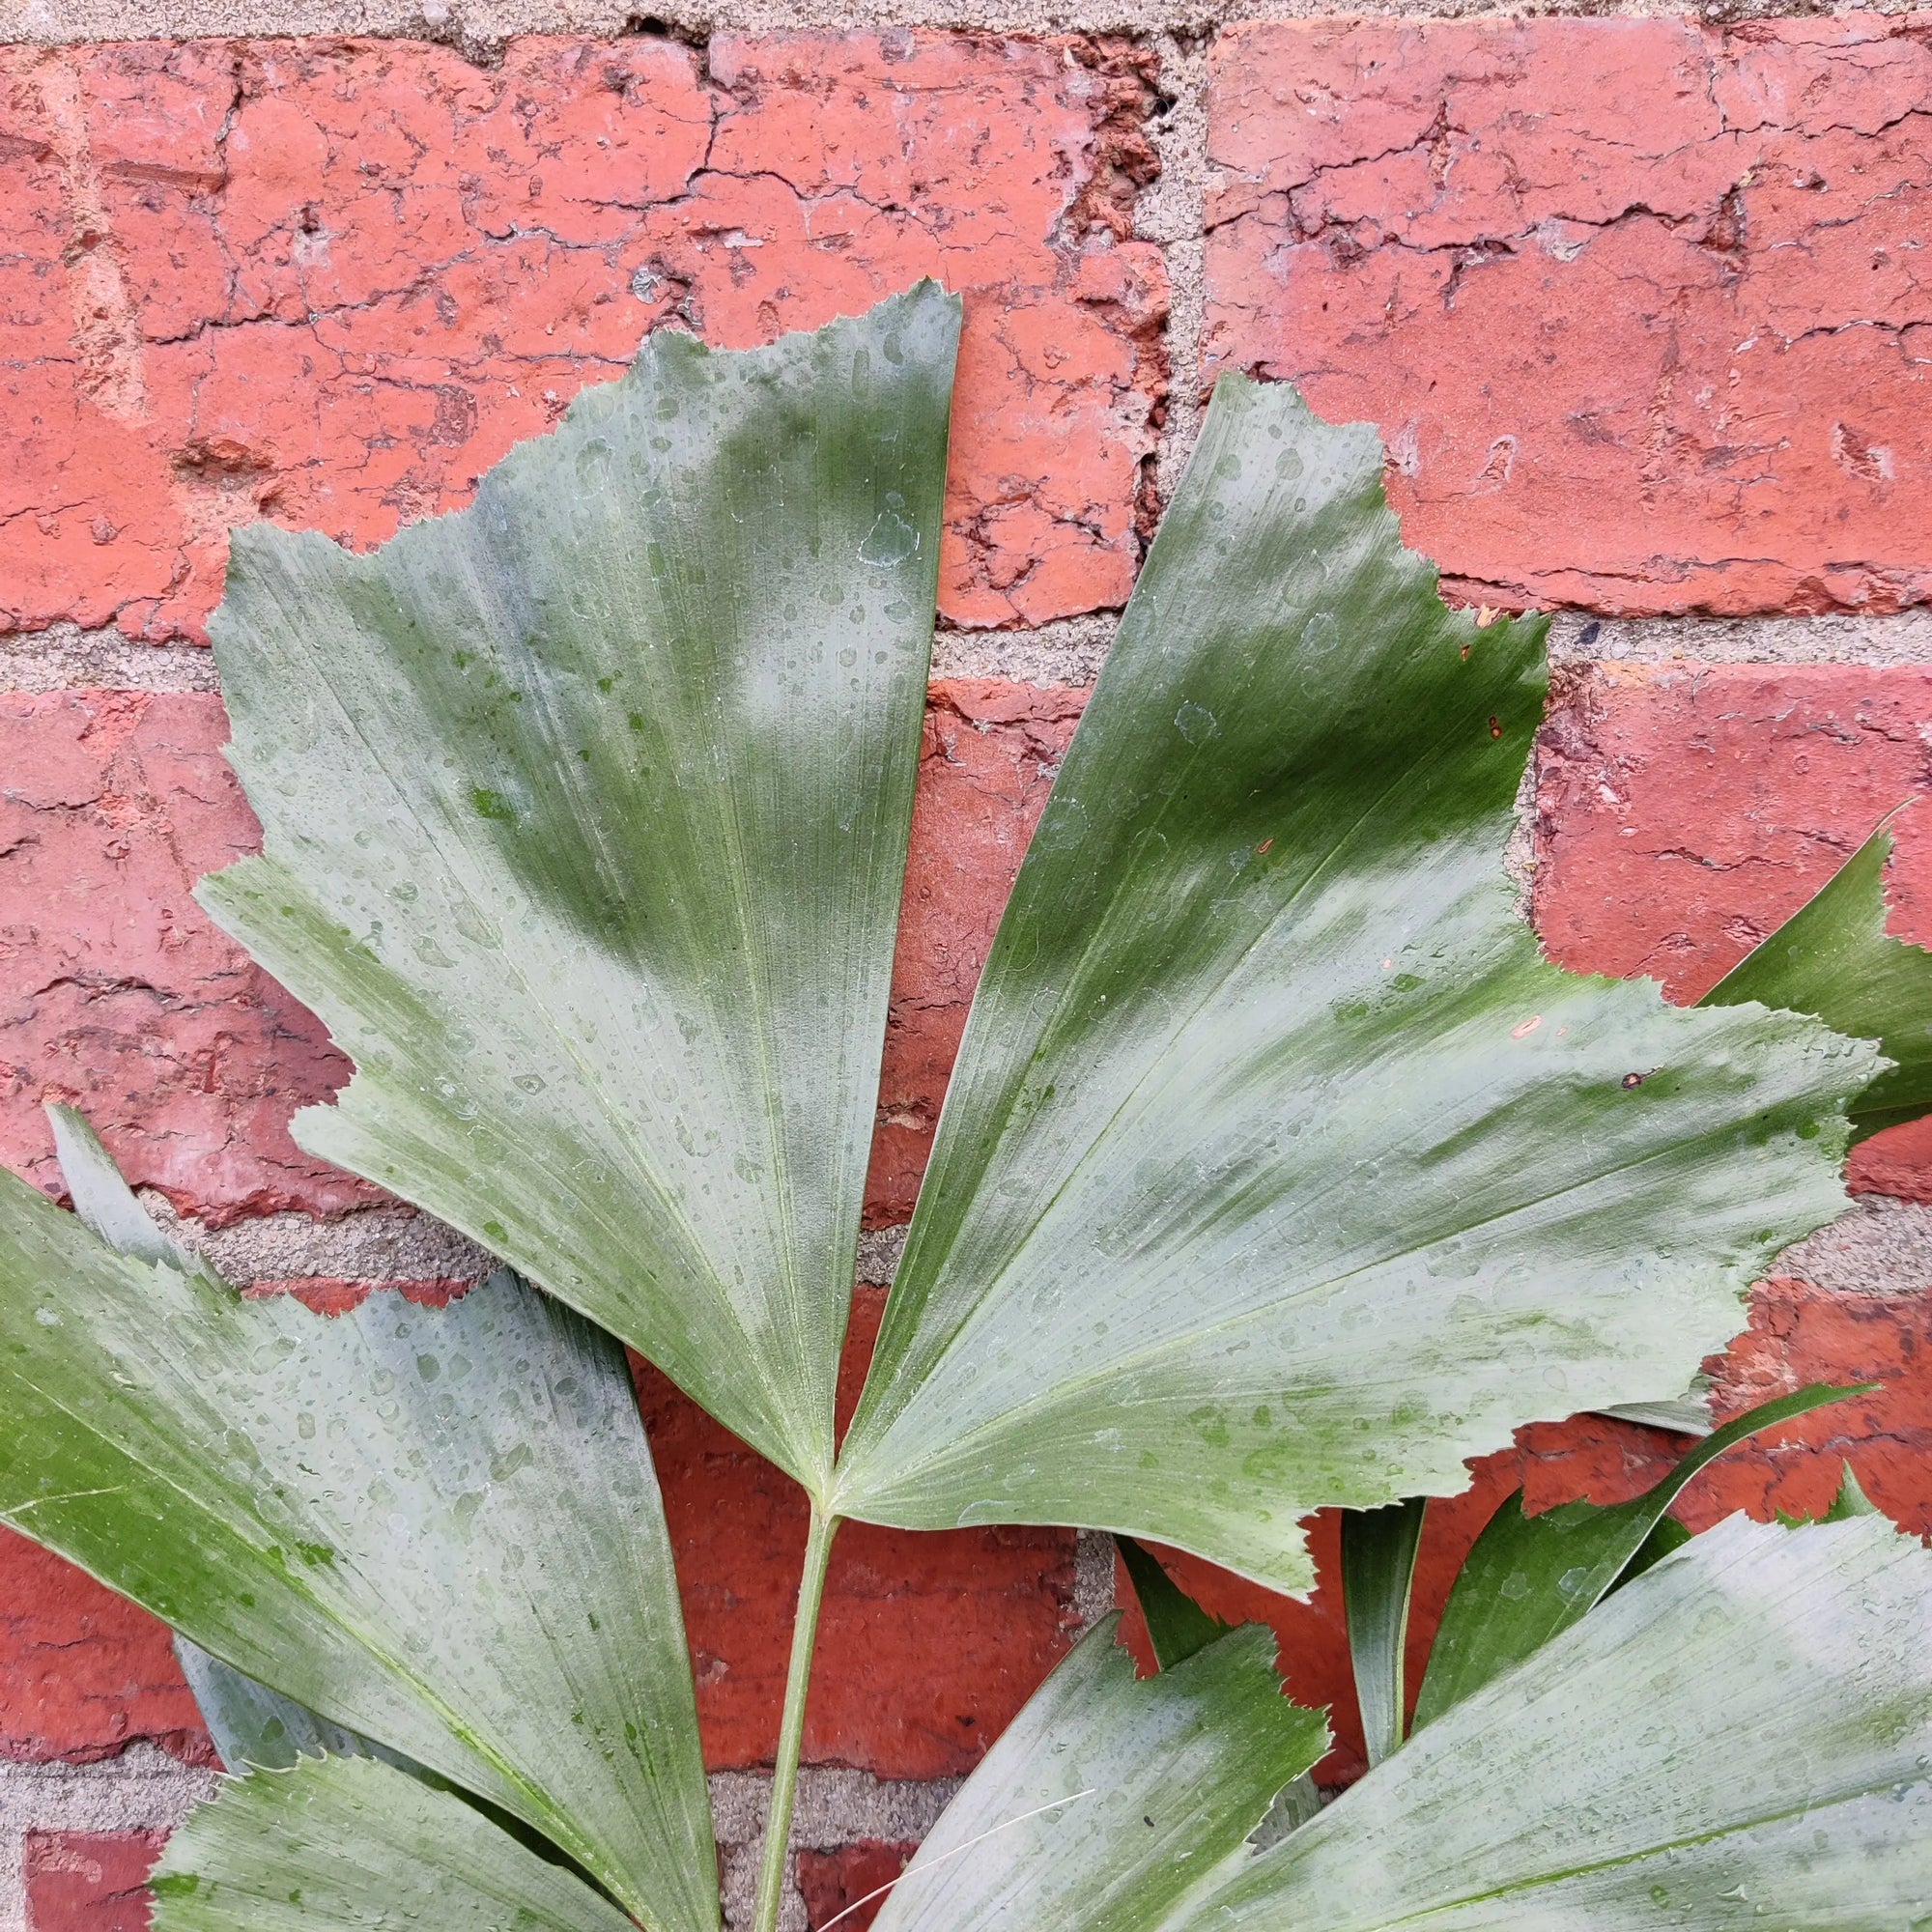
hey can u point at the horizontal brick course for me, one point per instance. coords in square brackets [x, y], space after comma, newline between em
[331, 282]
[1638, 305]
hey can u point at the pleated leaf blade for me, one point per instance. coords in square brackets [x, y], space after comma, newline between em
[437, 1528]
[1279, 1169]
[349, 1843]
[585, 815]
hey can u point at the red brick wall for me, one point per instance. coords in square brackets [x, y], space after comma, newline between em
[1638, 305]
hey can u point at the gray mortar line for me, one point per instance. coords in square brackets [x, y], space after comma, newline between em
[835, 1806]
[374, 1244]
[1904, 638]
[1172, 214]
[1071, 650]
[480, 27]
[64, 657]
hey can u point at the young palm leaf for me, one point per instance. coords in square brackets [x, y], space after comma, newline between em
[1832, 957]
[1601, 1784]
[439, 1528]
[585, 816]
[1279, 1169]
[1529, 1577]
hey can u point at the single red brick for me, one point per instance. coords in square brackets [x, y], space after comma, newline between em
[83, 1673]
[116, 992]
[90, 1881]
[834, 1882]
[928, 1643]
[1632, 301]
[1682, 815]
[333, 281]
[986, 765]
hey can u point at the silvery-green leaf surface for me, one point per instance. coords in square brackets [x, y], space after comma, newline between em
[1279, 1169]
[1162, 1782]
[353, 1844]
[585, 816]
[1740, 1738]
[439, 1529]
[1833, 957]
[255, 1728]
[1528, 1577]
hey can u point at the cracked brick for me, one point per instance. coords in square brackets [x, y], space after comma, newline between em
[1637, 305]
[116, 992]
[1684, 815]
[330, 282]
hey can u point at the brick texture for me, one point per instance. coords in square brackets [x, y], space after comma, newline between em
[90, 1881]
[116, 992]
[834, 1882]
[331, 282]
[1683, 814]
[83, 1673]
[1634, 302]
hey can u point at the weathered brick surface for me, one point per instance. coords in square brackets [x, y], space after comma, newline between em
[116, 991]
[833, 1882]
[1634, 302]
[1683, 814]
[331, 281]
[985, 768]
[90, 1881]
[83, 1673]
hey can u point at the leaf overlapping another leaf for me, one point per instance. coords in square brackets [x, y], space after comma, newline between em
[1741, 1737]
[349, 1843]
[1834, 958]
[585, 816]
[439, 1528]
[1279, 1169]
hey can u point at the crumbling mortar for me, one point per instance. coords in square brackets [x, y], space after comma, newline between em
[479, 29]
